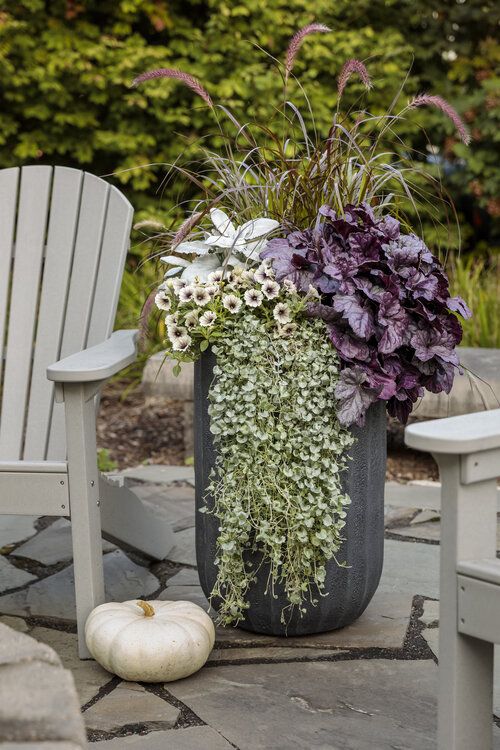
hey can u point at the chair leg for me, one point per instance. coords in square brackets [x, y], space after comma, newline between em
[84, 504]
[465, 663]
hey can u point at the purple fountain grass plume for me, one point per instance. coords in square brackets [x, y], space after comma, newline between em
[296, 43]
[441, 104]
[179, 75]
[350, 67]
[185, 229]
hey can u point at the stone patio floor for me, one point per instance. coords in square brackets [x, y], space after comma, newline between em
[370, 685]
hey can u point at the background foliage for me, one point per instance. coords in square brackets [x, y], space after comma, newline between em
[65, 93]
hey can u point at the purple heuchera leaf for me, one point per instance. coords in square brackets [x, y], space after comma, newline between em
[457, 304]
[349, 346]
[359, 316]
[386, 303]
[353, 395]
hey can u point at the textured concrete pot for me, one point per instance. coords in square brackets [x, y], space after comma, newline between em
[350, 589]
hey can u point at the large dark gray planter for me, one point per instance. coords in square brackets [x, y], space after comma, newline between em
[350, 589]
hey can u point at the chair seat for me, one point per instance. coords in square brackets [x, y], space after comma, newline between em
[487, 569]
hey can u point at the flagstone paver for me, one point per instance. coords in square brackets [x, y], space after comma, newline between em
[54, 596]
[344, 705]
[185, 577]
[422, 495]
[425, 515]
[89, 677]
[184, 549]
[268, 653]
[394, 516]
[430, 615]
[185, 593]
[370, 685]
[383, 625]
[175, 504]
[411, 567]
[429, 531]
[157, 474]
[12, 577]
[192, 738]
[15, 529]
[53, 544]
[130, 703]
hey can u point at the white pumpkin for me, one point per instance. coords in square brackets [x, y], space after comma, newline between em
[156, 641]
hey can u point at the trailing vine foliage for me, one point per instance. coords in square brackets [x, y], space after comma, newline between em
[277, 483]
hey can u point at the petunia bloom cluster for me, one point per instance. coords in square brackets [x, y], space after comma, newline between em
[199, 310]
[387, 305]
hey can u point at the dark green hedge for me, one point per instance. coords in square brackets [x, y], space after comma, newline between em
[66, 66]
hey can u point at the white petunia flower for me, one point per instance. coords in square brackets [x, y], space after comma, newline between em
[191, 319]
[207, 319]
[288, 329]
[281, 313]
[232, 303]
[212, 289]
[186, 293]
[253, 297]
[175, 332]
[260, 275]
[201, 296]
[162, 300]
[182, 343]
[247, 275]
[270, 288]
[312, 292]
[264, 271]
[289, 286]
[171, 320]
[215, 276]
[178, 284]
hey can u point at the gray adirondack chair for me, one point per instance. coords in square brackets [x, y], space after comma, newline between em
[467, 451]
[64, 235]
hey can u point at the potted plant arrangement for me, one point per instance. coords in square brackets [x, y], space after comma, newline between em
[311, 308]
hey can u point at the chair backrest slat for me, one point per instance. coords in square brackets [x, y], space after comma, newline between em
[54, 305]
[89, 240]
[111, 265]
[28, 257]
[64, 210]
[9, 179]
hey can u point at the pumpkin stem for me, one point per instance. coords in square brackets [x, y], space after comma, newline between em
[146, 608]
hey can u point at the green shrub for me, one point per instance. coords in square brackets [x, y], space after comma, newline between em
[477, 280]
[67, 65]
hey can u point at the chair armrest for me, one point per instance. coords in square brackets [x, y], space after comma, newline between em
[98, 362]
[470, 433]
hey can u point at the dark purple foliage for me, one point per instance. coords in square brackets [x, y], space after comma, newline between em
[386, 303]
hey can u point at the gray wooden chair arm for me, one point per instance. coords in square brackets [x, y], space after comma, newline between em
[99, 362]
[470, 433]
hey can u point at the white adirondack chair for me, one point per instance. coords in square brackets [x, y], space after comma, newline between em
[467, 450]
[64, 235]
